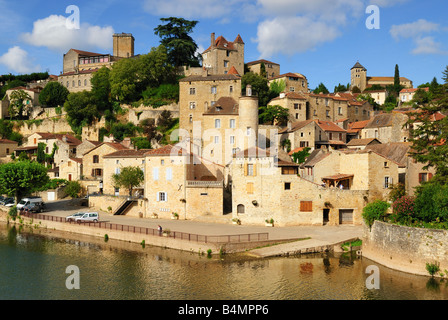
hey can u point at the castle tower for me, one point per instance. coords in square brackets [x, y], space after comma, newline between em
[223, 55]
[358, 77]
[123, 45]
[248, 119]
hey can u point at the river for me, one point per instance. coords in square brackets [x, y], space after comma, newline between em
[34, 266]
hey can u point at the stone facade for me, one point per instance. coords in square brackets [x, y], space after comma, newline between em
[222, 55]
[272, 68]
[387, 127]
[294, 82]
[262, 189]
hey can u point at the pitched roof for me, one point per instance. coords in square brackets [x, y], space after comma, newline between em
[222, 43]
[329, 126]
[380, 120]
[7, 141]
[355, 127]
[115, 145]
[224, 106]
[358, 65]
[71, 140]
[410, 90]
[233, 71]
[316, 156]
[289, 75]
[296, 126]
[396, 151]
[260, 61]
[79, 72]
[127, 153]
[168, 150]
[87, 53]
[362, 142]
[386, 79]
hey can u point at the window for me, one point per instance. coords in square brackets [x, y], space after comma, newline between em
[250, 169]
[216, 139]
[340, 110]
[296, 106]
[85, 82]
[306, 206]
[217, 123]
[287, 185]
[240, 208]
[250, 188]
[423, 177]
[214, 90]
[192, 105]
[79, 83]
[291, 89]
[248, 131]
[96, 159]
[387, 182]
[191, 118]
[232, 124]
[297, 116]
[162, 162]
[117, 170]
[155, 174]
[385, 164]
[162, 197]
[226, 64]
[169, 174]
[192, 91]
[231, 89]
[289, 170]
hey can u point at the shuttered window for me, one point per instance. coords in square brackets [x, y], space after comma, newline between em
[250, 188]
[306, 206]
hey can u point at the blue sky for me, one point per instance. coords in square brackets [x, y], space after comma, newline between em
[321, 39]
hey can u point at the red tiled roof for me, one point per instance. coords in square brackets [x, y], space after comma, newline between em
[8, 141]
[71, 140]
[289, 74]
[410, 90]
[168, 150]
[329, 126]
[222, 43]
[87, 53]
[233, 71]
[260, 61]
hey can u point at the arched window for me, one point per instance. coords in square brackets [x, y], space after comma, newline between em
[240, 208]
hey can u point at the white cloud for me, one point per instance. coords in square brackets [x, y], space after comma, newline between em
[52, 32]
[413, 29]
[420, 33]
[292, 35]
[387, 3]
[427, 45]
[17, 60]
[295, 26]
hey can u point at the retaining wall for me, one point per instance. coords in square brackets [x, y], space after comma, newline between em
[404, 248]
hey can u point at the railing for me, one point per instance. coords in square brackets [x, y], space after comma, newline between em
[207, 184]
[236, 238]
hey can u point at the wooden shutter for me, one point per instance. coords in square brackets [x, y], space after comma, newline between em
[306, 206]
[245, 169]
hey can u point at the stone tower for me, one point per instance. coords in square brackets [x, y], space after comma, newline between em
[358, 77]
[248, 119]
[222, 56]
[123, 45]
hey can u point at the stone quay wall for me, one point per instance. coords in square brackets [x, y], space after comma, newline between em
[404, 248]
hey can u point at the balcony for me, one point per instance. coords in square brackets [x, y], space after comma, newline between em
[204, 184]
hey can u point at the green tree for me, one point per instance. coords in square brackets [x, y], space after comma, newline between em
[259, 85]
[276, 87]
[341, 88]
[53, 95]
[128, 178]
[445, 75]
[101, 89]
[376, 210]
[21, 178]
[154, 69]
[41, 153]
[397, 86]
[300, 156]
[321, 88]
[274, 114]
[81, 110]
[73, 189]
[20, 104]
[123, 80]
[175, 37]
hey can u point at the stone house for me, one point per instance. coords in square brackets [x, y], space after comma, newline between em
[296, 104]
[7, 147]
[354, 129]
[294, 82]
[114, 162]
[387, 127]
[407, 94]
[30, 104]
[223, 55]
[361, 144]
[169, 187]
[265, 188]
[272, 68]
[93, 165]
[363, 170]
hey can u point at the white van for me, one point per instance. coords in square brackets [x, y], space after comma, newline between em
[88, 217]
[27, 201]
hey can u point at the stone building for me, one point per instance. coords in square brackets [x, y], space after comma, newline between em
[294, 82]
[264, 188]
[360, 79]
[79, 66]
[222, 55]
[272, 69]
[29, 104]
[387, 127]
[7, 147]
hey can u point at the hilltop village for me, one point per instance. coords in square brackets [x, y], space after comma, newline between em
[319, 160]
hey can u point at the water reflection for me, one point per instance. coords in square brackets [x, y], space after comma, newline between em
[33, 267]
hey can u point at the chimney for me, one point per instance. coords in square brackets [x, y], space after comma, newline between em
[213, 39]
[248, 90]
[282, 95]
[289, 126]
[64, 138]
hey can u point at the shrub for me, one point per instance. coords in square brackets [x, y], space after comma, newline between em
[432, 268]
[376, 210]
[403, 210]
[13, 212]
[431, 202]
[73, 189]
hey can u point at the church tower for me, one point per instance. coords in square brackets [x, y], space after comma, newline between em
[358, 77]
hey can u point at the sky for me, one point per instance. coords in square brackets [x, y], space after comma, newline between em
[321, 39]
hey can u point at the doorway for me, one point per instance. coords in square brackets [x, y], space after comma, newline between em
[345, 216]
[326, 216]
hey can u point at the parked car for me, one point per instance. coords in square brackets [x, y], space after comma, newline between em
[33, 207]
[72, 217]
[26, 201]
[7, 202]
[88, 217]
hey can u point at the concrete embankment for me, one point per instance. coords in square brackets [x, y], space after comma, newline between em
[277, 241]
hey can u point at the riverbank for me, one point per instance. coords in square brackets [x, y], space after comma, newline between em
[281, 241]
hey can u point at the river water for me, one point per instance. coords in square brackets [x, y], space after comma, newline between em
[33, 265]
